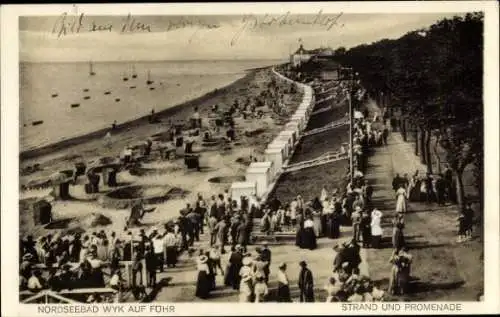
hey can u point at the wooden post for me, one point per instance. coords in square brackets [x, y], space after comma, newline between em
[144, 273]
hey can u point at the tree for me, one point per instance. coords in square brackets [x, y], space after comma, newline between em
[436, 75]
[339, 51]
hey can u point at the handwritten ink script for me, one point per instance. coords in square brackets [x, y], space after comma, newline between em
[252, 21]
[73, 23]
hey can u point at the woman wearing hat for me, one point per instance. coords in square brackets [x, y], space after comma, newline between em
[398, 239]
[309, 236]
[260, 266]
[203, 281]
[247, 268]
[356, 221]
[376, 228]
[283, 285]
[232, 277]
[394, 285]
[401, 198]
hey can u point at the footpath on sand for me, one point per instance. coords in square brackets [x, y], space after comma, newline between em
[442, 269]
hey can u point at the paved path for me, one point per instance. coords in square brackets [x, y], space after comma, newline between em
[180, 283]
[443, 269]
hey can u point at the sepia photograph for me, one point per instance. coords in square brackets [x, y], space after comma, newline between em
[284, 157]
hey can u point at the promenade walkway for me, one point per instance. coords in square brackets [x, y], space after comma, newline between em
[442, 268]
[179, 284]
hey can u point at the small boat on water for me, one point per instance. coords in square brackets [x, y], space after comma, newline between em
[117, 99]
[149, 81]
[86, 90]
[134, 73]
[75, 105]
[107, 92]
[38, 122]
[91, 69]
[151, 88]
[54, 95]
[86, 97]
[132, 87]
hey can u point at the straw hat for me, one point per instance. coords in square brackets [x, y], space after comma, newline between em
[246, 261]
[376, 213]
[27, 257]
[203, 259]
[358, 208]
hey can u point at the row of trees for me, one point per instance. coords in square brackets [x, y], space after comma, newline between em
[435, 76]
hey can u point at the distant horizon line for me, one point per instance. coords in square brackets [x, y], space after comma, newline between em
[154, 60]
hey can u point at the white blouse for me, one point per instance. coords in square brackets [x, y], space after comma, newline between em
[308, 224]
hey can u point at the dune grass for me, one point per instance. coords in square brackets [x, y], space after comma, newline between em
[309, 182]
[313, 146]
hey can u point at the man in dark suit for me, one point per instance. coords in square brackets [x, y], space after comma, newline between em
[266, 257]
[440, 189]
[306, 283]
[429, 187]
[194, 233]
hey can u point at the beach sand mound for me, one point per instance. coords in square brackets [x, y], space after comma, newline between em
[93, 220]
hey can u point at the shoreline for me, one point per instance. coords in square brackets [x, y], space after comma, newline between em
[73, 141]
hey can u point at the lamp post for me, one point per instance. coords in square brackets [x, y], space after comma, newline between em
[350, 80]
[351, 151]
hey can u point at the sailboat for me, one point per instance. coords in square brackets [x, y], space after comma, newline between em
[149, 81]
[125, 78]
[91, 69]
[134, 73]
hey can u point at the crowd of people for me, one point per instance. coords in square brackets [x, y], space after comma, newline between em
[98, 259]
[428, 188]
[249, 274]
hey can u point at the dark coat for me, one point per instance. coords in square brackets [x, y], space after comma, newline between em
[306, 285]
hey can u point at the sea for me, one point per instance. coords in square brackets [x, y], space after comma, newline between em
[69, 102]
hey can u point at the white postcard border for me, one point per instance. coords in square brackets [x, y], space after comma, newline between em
[10, 147]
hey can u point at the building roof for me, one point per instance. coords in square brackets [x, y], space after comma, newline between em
[302, 50]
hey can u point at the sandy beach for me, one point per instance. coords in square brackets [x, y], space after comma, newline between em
[74, 212]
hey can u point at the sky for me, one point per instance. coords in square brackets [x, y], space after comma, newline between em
[50, 39]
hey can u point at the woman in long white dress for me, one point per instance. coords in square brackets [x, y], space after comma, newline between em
[401, 199]
[246, 289]
[376, 228]
[324, 194]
